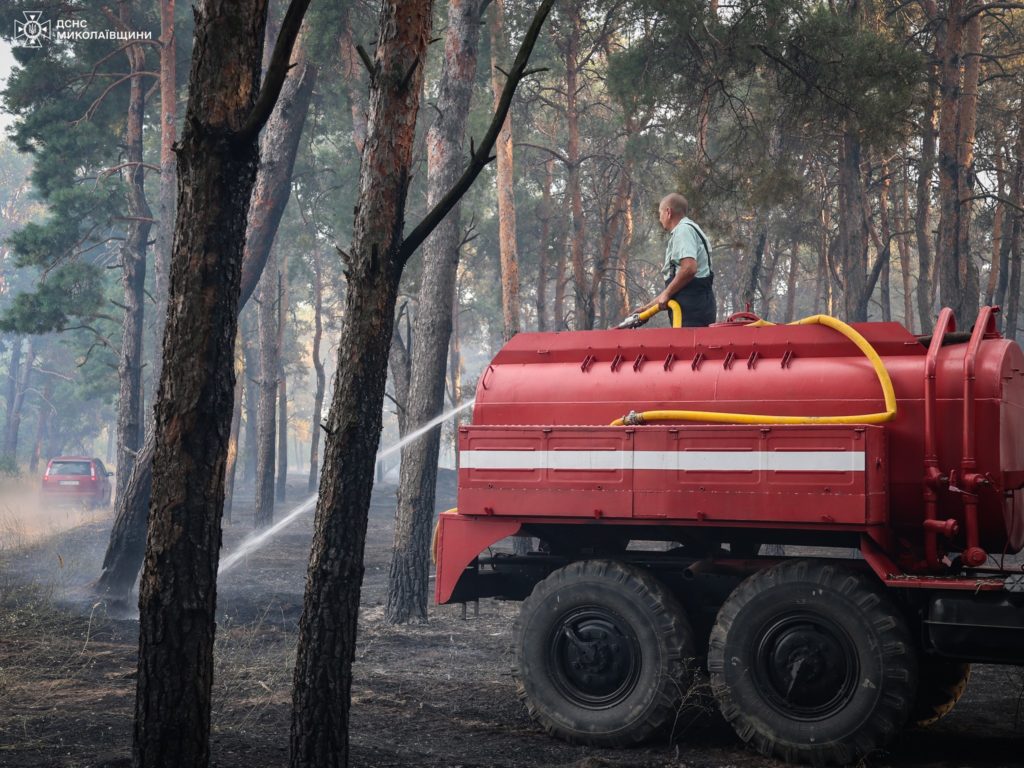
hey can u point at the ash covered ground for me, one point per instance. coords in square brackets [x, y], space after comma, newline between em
[434, 694]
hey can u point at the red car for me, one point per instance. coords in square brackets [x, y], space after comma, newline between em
[76, 479]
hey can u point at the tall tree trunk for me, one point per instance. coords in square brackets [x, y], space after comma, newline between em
[168, 175]
[249, 321]
[236, 419]
[410, 561]
[755, 262]
[560, 268]
[507, 241]
[997, 227]
[609, 239]
[327, 630]
[217, 160]
[269, 295]
[14, 422]
[620, 293]
[544, 249]
[954, 261]
[282, 383]
[124, 551]
[903, 244]
[922, 211]
[584, 310]
[318, 366]
[885, 252]
[794, 265]
[13, 375]
[278, 147]
[43, 428]
[853, 230]
[133, 272]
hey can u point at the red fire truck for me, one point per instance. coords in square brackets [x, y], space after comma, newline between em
[659, 467]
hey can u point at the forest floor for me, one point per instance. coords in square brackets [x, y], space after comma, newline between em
[433, 694]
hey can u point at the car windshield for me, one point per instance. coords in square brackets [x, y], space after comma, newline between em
[70, 468]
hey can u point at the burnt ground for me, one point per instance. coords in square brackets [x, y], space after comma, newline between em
[434, 694]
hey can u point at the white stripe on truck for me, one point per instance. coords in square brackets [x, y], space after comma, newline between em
[689, 461]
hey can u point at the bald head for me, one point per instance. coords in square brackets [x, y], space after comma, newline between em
[672, 210]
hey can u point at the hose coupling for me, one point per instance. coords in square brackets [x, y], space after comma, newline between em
[633, 419]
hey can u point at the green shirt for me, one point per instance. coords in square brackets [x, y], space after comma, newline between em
[684, 242]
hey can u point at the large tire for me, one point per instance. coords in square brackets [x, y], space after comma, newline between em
[941, 684]
[810, 662]
[603, 654]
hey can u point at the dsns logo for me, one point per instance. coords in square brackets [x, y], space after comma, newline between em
[31, 32]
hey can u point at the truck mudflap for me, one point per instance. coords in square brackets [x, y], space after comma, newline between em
[458, 541]
[984, 627]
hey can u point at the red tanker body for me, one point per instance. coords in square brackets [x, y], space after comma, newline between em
[908, 450]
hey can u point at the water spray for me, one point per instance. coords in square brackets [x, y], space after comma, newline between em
[256, 541]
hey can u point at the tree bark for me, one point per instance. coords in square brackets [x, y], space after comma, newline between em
[507, 239]
[584, 309]
[318, 366]
[853, 230]
[13, 375]
[410, 562]
[14, 422]
[168, 175]
[133, 272]
[269, 295]
[282, 383]
[544, 250]
[217, 161]
[327, 630]
[43, 427]
[922, 211]
[249, 321]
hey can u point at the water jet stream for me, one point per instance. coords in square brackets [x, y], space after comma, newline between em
[256, 541]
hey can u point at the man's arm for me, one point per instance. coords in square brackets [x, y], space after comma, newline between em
[686, 271]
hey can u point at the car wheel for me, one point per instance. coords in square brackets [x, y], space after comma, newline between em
[602, 654]
[811, 662]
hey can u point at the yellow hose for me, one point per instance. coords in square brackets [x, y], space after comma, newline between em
[750, 418]
[674, 308]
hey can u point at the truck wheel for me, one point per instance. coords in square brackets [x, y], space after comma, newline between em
[941, 684]
[602, 654]
[810, 662]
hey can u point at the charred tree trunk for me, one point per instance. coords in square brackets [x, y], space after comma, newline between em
[352, 75]
[410, 561]
[327, 630]
[130, 429]
[217, 161]
[318, 366]
[507, 240]
[561, 278]
[124, 554]
[269, 295]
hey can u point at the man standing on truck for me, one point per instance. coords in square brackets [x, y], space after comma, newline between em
[687, 268]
